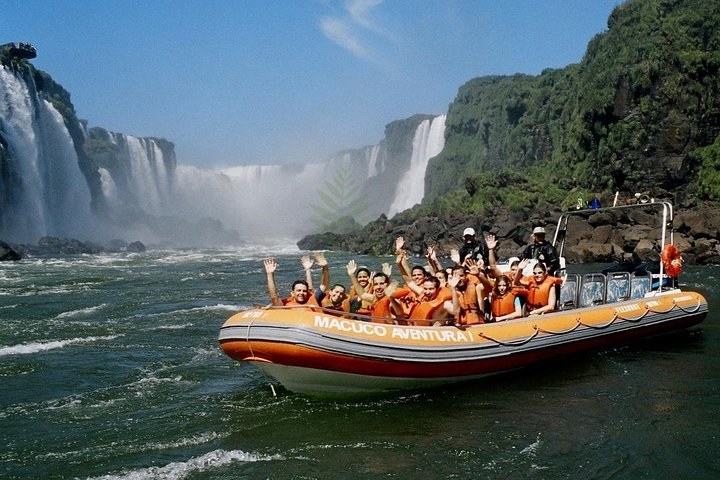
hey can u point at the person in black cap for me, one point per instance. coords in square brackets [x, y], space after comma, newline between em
[542, 251]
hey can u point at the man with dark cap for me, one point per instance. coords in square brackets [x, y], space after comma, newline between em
[542, 251]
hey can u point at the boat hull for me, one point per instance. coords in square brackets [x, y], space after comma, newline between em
[313, 352]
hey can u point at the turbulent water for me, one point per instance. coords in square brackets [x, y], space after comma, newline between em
[110, 368]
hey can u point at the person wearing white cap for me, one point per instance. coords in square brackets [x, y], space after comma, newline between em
[542, 251]
[472, 247]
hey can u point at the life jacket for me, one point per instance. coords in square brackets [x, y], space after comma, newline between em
[425, 310]
[407, 300]
[469, 313]
[505, 305]
[365, 306]
[539, 294]
[327, 303]
[312, 301]
[381, 311]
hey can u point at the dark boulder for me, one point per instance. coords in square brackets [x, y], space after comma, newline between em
[7, 253]
[136, 247]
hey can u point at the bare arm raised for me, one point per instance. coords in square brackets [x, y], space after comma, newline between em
[270, 267]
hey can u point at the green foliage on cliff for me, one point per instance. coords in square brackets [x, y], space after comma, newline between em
[709, 172]
[645, 95]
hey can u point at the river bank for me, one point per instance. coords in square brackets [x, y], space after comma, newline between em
[604, 237]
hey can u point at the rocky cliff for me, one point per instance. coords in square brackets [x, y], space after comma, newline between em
[639, 114]
[630, 117]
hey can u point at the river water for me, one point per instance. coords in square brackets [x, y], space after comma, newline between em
[110, 368]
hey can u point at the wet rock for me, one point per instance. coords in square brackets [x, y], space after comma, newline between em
[7, 253]
[136, 247]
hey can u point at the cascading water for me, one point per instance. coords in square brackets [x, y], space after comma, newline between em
[140, 175]
[43, 190]
[142, 194]
[428, 142]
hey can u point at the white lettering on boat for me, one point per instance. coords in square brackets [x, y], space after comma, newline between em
[430, 334]
[628, 308]
[683, 298]
[254, 314]
[351, 326]
[367, 328]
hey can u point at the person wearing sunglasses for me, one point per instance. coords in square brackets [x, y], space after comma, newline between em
[541, 296]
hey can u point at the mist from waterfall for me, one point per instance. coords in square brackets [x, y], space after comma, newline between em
[428, 142]
[144, 195]
[256, 200]
[42, 191]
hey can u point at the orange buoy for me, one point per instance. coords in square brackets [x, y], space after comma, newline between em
[672, 261]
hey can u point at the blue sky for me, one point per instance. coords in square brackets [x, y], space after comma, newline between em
[263, 82]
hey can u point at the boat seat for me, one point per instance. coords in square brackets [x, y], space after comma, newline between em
[640, 284]
[618, 287]
[592, 290]
[569, 292]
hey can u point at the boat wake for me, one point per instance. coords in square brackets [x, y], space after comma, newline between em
[204, 463]
[35, 347]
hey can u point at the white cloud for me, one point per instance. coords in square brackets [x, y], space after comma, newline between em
[358, 10]
[341, 32]
[350, 31]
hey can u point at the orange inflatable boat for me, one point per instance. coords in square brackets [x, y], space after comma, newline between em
[314, 351]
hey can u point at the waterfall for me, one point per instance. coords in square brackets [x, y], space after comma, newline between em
[139, 176]
[428, 142]
[141, 193]
[373, 159]
[43, 189]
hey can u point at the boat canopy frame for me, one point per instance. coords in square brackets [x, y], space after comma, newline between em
[664, 208]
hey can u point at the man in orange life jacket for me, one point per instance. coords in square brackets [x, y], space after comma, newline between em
[466, 307]
[301, 293]
[430, 309]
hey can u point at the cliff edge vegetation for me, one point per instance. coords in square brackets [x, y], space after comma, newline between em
[634, 115]
[639, 114]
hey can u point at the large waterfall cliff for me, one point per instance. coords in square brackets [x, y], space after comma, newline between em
[61, 179]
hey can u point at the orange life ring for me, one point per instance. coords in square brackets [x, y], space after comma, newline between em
[672, 261]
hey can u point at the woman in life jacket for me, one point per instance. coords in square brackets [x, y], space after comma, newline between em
[541, 297]
[505, 303]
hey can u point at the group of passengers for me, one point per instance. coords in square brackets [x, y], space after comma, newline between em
[473, 291]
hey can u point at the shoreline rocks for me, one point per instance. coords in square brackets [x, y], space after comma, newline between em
[7, 253]
[48, 246]
[624, 236]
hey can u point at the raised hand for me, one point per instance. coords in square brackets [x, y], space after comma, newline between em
[270, 265]
[453, 280]
[491, 241]
[472, 266]
[387, 269]
[399, 244]
[320, 259]
[307, 262]
[352, 268]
